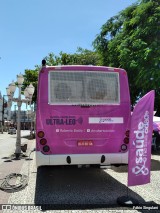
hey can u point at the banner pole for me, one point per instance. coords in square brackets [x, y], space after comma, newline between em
[139, 139]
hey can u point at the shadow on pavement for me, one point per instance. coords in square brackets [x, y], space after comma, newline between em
[85, 188]
[155, 166]
[156, 152]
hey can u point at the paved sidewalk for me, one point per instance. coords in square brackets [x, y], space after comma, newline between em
[14, 166]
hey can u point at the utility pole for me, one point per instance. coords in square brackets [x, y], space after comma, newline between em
[3, 106]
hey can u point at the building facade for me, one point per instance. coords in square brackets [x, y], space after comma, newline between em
[5, 112]
[26, 119]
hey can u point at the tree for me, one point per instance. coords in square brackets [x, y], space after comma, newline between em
[81, 57]
[131, 40]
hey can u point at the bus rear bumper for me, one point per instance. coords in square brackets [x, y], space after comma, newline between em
[81, 159]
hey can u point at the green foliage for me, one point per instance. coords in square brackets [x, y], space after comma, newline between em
[81, 57]
[131, 40]
[31, 76]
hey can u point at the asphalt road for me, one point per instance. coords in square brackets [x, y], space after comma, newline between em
[75, 189]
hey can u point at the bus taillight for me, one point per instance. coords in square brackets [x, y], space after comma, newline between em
[124, 147]
[126, 140]
[43, 141]
[46, 148]
[127, 133]
[40, 134]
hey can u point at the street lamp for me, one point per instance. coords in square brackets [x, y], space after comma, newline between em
[28, 97]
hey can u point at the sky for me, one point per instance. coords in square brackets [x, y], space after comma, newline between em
[31, 29]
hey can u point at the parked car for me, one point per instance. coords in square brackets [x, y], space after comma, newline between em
[11, 130]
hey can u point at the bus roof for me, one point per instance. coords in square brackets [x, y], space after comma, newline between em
[81, 67]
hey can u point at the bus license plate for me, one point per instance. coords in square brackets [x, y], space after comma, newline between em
[85, 143]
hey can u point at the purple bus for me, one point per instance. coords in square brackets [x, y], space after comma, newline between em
[82, 116]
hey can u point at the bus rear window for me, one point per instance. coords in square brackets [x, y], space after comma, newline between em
[78, 87]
